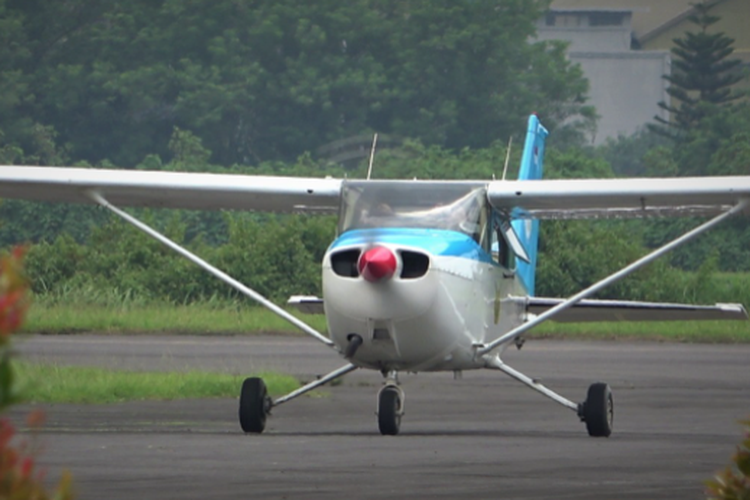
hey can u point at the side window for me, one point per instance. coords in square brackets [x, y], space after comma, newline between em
[501, 252]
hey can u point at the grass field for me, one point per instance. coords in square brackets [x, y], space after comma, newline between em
[233, 318]
[49, 383]
[674, 331]
[198, 318]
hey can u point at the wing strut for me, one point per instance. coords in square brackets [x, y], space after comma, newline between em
[498, 364]
[316, 383]
[211, 269]
[508, 337]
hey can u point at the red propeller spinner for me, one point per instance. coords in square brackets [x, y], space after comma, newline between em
[377, 264]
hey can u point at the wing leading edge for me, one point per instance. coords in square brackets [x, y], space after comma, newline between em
[203, 191]
[637, 197]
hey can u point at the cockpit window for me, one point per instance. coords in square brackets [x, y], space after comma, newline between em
[402, 204]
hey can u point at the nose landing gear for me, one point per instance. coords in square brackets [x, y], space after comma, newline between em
[390, 406]
[355, 341]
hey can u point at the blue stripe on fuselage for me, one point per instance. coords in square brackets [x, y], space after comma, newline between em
[433, 241]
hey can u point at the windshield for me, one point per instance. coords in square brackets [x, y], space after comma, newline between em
[434, 205]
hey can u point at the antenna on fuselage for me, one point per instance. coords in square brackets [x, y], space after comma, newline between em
[507, 157]
[372, 155]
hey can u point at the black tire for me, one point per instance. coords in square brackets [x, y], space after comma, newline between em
[599, 410]
[254, 405]
[389, 411]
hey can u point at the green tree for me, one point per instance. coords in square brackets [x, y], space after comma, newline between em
[626, 154]
[702, 76]
[715, 146]
[463, 74]
[269, 79]
[14, 54]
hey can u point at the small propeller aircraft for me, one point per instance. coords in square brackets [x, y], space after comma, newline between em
[423, 275]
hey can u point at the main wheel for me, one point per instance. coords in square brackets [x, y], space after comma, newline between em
[599, 410]
[254, 405]
[389, 411]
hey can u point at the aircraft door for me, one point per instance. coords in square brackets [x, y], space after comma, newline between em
[500, 249]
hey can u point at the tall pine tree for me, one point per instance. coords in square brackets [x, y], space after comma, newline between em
[702, 76]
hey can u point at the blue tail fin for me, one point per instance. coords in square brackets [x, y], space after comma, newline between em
[528, 229]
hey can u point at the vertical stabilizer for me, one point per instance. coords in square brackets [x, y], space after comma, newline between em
[528, 229]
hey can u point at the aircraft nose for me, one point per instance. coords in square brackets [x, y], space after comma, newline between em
[377, 264]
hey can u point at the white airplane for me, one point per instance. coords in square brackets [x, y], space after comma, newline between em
[423, 275]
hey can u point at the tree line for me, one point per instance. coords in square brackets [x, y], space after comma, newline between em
[259, 80]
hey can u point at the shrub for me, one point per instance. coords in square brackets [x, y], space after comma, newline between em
[19, 478]
[733, 483]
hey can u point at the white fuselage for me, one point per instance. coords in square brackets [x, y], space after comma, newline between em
[433, 322]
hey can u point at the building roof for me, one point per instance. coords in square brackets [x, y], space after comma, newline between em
[650, 17]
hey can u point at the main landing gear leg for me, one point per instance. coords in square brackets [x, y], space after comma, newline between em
[255, 404]
[597, 411]
[390, 405]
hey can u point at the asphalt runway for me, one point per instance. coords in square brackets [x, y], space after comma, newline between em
[481, 436]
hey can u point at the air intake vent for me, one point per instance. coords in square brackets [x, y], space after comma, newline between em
[345, 263]
[415, 264]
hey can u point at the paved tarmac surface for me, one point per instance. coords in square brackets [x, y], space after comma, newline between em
[483, 436]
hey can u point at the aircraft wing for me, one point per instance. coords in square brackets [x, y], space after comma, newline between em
[137, 188]
[636, 197]
[621, 310]
[571, 198]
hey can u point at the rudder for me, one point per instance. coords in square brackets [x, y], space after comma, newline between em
[527, 230]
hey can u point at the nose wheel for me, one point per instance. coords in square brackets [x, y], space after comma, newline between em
[390, 406]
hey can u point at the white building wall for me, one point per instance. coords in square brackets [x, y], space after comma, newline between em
[625, 88]
[586, 38]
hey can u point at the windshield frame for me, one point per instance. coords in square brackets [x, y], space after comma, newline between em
[460, 206]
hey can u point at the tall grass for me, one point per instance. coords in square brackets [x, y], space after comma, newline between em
[50, 383]
[675, 331]
[105, 311]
